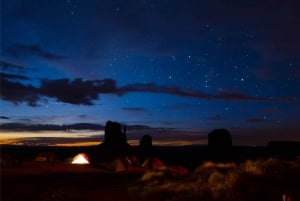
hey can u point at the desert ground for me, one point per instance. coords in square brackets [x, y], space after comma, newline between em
[62, 181]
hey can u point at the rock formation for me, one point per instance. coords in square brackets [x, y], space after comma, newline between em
[146, 142]
[220, 143]
[113, 135]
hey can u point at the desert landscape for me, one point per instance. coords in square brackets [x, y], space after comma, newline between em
[149, 100]
[115, 170]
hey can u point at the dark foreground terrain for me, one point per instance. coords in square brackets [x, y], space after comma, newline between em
[64, 182]
[28, 179]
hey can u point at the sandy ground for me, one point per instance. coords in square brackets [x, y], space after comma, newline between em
[64, 182]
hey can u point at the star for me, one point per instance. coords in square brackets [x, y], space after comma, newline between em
[108, 52]
[173, 58]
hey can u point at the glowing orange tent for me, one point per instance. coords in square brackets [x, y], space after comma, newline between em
[153, 163]
[126, 164]
[81, 158]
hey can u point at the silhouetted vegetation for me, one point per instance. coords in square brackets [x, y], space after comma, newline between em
[284, 149]
[252, 180]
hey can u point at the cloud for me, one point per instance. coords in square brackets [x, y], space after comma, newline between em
[134, 109]
[4, 117]
[49, 127]
[18, 93]
[287, 69]
[215, 118]
[270, 110]
[232, 96]
[83, 116]
[78, 91]
[181, 106]
[9, 66]
[85, 92]
[32, 50]
[256, 120]
[13, 76]
[154, 88]
[51, 141]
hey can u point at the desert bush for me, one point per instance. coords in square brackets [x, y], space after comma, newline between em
[153, 175]
[252, 167]
[209, 166]
[251, 180]
[216, 179]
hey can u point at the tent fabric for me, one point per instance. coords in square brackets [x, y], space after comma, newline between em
[45, 157]
[153, 163]
[132, 164]
[178, 171]
[7, 160]
[117, 166]
[81, 158]
[125, 164]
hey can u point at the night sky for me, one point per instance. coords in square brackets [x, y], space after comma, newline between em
[182, 66]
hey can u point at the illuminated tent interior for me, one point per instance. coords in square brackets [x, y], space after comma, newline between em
[81, 158]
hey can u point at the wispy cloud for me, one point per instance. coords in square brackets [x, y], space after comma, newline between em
[134, 109]
[33, 50]
[85, 92]
[6, 66]
[215, 118]
[286, 69]
[18, 93]
[4, 117]
[270, 110]
[256, 120]
[13, 76]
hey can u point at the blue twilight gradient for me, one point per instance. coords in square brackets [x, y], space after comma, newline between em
[191, 65]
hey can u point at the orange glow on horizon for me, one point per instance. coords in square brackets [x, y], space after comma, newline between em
[75, 139]
[76, 144]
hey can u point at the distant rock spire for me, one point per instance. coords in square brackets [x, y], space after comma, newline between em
[113, 135]
[220, 143]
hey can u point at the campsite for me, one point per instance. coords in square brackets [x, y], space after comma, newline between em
[115, 170]
[127, 177]
[61, 181]
[62, 173]
[150, 100]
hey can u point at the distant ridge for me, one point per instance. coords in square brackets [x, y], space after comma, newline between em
[51, 127]
[55, 127]
[284, 148]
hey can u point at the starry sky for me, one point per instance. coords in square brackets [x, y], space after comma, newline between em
[182, 66]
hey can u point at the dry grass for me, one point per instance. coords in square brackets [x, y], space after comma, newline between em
[265, 180]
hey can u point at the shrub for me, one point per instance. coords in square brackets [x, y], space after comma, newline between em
[251, 180]
[152, 175]
[252, 167]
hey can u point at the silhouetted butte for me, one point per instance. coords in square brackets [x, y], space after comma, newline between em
[113, 135]
[220, 143]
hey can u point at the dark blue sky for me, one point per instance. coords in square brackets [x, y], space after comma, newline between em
[188, 65]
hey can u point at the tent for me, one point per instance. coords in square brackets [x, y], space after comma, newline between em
[81, 158]
[153, 163]
[45, 157]
[156, 164]
[125, 164]
[7, 160]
